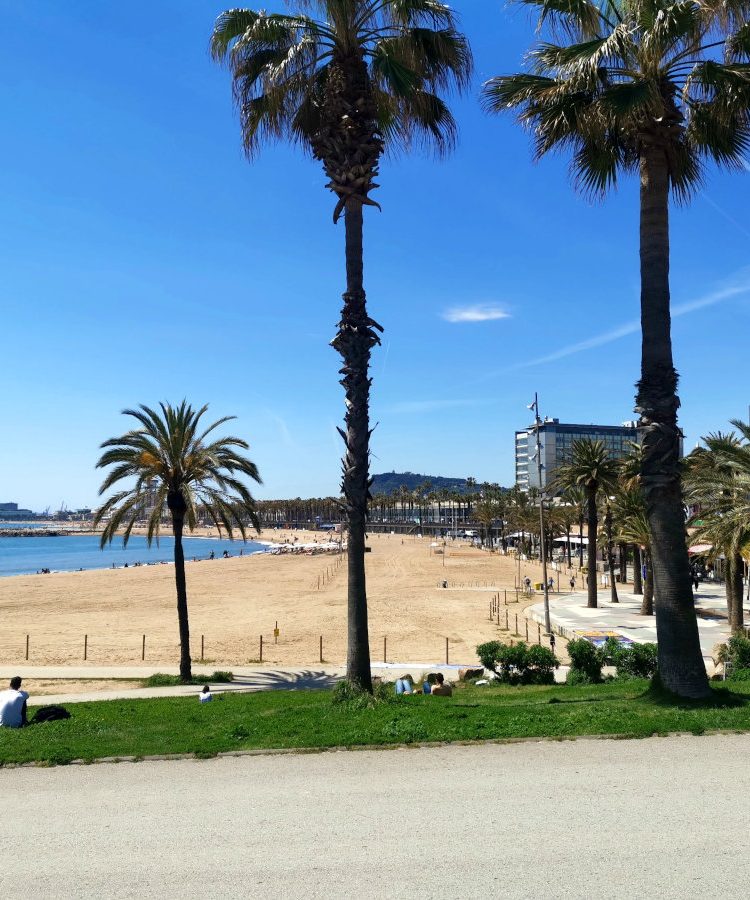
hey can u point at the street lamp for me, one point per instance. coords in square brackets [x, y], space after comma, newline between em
[542, 543]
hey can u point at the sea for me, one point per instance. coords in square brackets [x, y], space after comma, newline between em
[69, 553]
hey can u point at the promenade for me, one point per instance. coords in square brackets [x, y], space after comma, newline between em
[571, 617]
[581, 819]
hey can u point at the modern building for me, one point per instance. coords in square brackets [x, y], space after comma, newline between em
[11, 511]
[556, 439]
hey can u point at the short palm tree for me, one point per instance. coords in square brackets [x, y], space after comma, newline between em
[631, 526]
[654, 87]
[718, 479]
[592, 469]
[361, 77]
[172, 468]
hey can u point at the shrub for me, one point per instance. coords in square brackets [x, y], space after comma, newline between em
[519, 663]
[159, 679]
[634, 661]
[736, 651]
[586, 662]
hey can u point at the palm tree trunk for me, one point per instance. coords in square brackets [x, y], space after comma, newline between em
[735, 571]
[611, 558]
[647, 604]
[355, 339]
[186, 672]
[580, 536]
[681, 666]
[592, 525]
[637, 581]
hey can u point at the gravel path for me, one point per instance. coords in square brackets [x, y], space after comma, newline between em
[582, 819]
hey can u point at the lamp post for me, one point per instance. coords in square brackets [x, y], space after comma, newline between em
[542, 543]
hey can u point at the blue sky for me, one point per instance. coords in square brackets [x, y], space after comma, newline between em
[143, 259]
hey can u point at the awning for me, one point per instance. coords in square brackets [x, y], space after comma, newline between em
[700, 548]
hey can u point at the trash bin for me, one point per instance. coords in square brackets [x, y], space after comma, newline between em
[538, 585]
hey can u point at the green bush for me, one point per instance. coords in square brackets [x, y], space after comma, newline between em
[586, 662]
[633, 661]
[519, 663]
[739, 675]
[736, 651]
[159, 679]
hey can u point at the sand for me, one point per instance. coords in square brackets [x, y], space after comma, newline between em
[234, 601]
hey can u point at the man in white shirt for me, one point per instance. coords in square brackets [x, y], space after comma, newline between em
[13, 705]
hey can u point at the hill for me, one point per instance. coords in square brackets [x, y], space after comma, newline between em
[390, 482]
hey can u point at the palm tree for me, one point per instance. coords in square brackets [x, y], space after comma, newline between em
[174, 469]
[718, 478]
[632, 526]
[592, 469]
[363, 77]
[655, 87]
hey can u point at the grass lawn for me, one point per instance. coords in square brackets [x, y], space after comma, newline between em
[297, 719]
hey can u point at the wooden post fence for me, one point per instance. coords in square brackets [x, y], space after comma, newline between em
[143, 648]
[321, 648]
[446, 651]
[385, 649]
[85, 647]
[202, 646]
[27, 646]
[261, 649]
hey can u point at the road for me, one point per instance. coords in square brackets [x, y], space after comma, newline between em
[663, 817]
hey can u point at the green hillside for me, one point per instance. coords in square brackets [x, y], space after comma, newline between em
[390, 482]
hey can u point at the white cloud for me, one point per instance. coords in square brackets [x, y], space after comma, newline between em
[477, 313]
[739, 287]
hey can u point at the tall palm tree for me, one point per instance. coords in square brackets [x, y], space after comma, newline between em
[655, 87]
[592, 469]
[363, 77]
[172, 467]
[718, 478]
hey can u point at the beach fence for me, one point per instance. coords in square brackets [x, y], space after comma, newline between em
[273, 646]
[326, 576]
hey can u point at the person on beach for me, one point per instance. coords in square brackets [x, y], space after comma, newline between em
[211, 555]
[572, 582]
[205, 695]
[441, 689]
[13, 705]
[552, 641]
[405, 685]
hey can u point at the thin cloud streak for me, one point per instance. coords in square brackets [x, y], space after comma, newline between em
[477, 313]
[681, 309]
[723, 212]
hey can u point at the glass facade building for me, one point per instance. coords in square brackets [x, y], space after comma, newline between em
[556, 439]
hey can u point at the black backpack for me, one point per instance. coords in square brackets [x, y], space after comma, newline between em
[49, 714]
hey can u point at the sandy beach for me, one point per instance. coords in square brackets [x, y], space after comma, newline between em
[233, 601]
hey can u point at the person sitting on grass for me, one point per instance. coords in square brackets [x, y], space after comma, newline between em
[441, 689]
[405, 685]
[205, 695]
[426, 685]
[13, 705]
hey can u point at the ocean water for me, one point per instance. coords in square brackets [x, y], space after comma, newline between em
[68, 553]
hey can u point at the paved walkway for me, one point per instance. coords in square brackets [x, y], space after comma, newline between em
[246, 678]
[581, 820]
[571, 616]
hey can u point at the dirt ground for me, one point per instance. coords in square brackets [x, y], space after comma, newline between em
[232, 602]
[40, 687]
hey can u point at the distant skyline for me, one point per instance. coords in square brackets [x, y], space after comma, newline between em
[145, 259]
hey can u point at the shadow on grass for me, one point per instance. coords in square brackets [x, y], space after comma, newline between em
[721, 698]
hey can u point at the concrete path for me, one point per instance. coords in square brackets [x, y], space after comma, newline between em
[571, 616]
[246, 678]
[583, 819]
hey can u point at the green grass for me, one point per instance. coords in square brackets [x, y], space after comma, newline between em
[300, 719]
